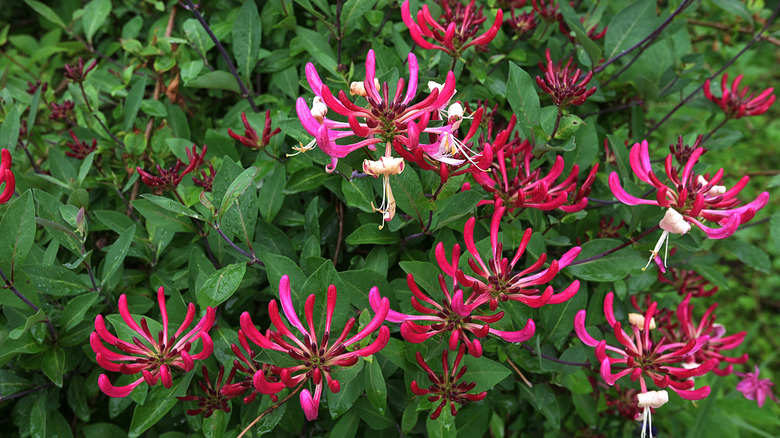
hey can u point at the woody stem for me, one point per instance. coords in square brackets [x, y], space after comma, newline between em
[271, 409]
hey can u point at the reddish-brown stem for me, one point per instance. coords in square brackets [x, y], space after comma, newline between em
[271, 409]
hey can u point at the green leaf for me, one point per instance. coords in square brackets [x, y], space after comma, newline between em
[376, 389]
[116, 255]
[74, 311]
[346, 426]
[216, 424]
[159, 401]
[268, 423]
[16, 240]
[613, 267]
[735, 7]
[523, 98]
[95, 14]
[9, 131]
[219, 80]
[38, 416]
[238, 187]
[133, 102]
[354, 10]
[408, 192]
[277, 266]
[161, 217]
[46, 12]
[221, 285]
[37, 318]
[10, 383]
[485, 372]
[426, 275]
[371, 234]
[376, 420]
[557, 318]
[305, 179]
[53, 365]
[629, 26]
[319, 48]
[173, 206]
[358, 194]
[55, 280]
[750, 255]
[271, 193]
[351, 389]
[455, 207]
[77, 398]
[247, 33]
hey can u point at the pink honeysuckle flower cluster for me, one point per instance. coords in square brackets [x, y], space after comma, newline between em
[690, 197]
[171, 177]
[756, 389]
[641, 358]
[445, 387]
[734, 102]
[454, 32]
[514, 184]
[152, 356]
[248, 366]
[6, 176]
[496, 281]
[560, 82]
[382, 121]
[318, 356]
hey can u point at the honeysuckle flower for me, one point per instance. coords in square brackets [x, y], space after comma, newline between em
[250, 138]
[172, 176]
[647, 401]
[547, 10]
[593, 34]
[445, 387]
[246, 363]
[385, 166]
[442, 318]
[33, 87]
[514, 184]
[317, 356]
[733, 101]
[62, 111]
[523, 23]
[685, 281]
[77, 73]
[456, 31]
[754, 389]
[207, 179]
[640, 357]
[690, 197]
[496, 280]
[560, 82]
[6, 176]
[79, 149]
[212, 399]
[152, 356]
[383, 120]
[687, 329]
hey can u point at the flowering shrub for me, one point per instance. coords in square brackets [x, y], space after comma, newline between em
[391, 218]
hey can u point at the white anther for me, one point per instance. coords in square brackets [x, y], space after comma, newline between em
[638, 320]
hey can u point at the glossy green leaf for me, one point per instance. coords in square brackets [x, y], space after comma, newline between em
[218, 80]
[116, 254]
[612, 267]
[220, 285]
[629, 26]
[46, 12]
[161, 217]
[74, 311]
[216, 424]
[55, 280]
[523, 98]
[247, 34]
[53, 365]
[371, 234]
[95, 14]
[158, 403]
[376, 389]
[174, 207]
[9, 131]
[16, 240]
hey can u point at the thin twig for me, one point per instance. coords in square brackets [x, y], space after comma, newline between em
[271, 409]
[617, 248]
[519, 373]
[539, 353]
[21, 296]
[252, 257]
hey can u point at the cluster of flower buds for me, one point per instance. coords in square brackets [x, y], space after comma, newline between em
[152, 356]
[63, 111]
[207, 179]
[560, 82]
[212, 398]
[250, 138]
[734, 102]
[547, 10]
[317, 356]
[33, 87]
[78, 72]
[523, 23]
[6, 176]
[171, 177]
[79, 149]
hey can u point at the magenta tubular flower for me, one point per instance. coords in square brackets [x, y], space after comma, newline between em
[561, 83]
[754, 389]
[247, 364]
[171, 177]
[250, 138]
[79, 149]
[445, 320]
[78, 73]
[523, 23]
[733, 101]
[6, 176]
[547, 10]
[496, 280]
[640, 357]
[515, 185]
[317, 356]
[691, 196]
[62, 112]
[445, 387]
[384, 118]
[460, 24]
[687, 329]
[212, 399]
[151, 356]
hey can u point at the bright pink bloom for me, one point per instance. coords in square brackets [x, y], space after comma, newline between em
[514, 184]
[754, 389]
[250, 138]
[561, 83]
[496, 280]
[442, 318]
[317, 356]
[733, 101]
[445, 387]
[6, 176]
[456, 32]
[172, 176]
[640, 357]
[693, 196]
[151, 356]
[383, 119]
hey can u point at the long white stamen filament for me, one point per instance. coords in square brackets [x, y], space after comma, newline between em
[672, 222]
[647, 400]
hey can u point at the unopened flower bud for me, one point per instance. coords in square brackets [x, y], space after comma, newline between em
[674, 222]
[383, 166]
[455, 111]
[318, 109]
[638, 320]
[652, 399]
[359, 88]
